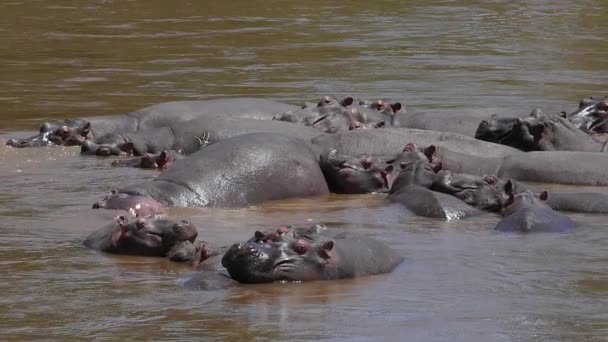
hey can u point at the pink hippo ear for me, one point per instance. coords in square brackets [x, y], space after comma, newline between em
[325, 250]
[120, 230]
[490, 180]
[347, 101]
[410, 147]
[127, 147]
[430, 153]
[543, 196]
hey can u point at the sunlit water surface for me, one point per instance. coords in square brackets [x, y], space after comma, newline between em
[460, 281]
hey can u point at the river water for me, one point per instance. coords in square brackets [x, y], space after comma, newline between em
[460, 281]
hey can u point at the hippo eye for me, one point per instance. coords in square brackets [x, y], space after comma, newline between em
[300, 249]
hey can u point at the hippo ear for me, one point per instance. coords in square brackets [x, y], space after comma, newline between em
[437, 167]
[347, 101]
[396, 106]
[410, 147]
[259, 236]
[127, 147]
[325, 250]
[430, 152]
[389, 169]
[86, 129]
[543, 196]
[119, 232]
[509, 188]
[162, 159]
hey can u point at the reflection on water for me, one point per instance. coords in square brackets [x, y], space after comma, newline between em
[460, 281]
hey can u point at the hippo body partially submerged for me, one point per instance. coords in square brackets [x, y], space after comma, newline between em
[240, 171]
[309, 254]
[146, 237]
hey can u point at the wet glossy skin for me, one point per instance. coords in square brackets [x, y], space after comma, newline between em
[351, 175]
[591, 116]
[313, 253]
[148, 237]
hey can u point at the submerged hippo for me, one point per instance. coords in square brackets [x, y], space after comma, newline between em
[239, 171]
[525, 212]
[591, 115]
[146, 237]
[352, 175]
[309, 254]
[189, 136]
[538, 132]
[74, 132]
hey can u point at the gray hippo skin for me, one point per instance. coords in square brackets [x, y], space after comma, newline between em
[580, 202]
[307, 254]
[190, 136]
[591, 115]
[524, 212]
[240, 171]
[538, 132]
[392, 140]
[146, 237]
[329, 116]
[154, 116]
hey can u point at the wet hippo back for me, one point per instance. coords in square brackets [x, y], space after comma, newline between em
[164, 114]
[244, 170]
[392, 140]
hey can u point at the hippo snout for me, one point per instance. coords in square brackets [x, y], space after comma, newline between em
[103, 151]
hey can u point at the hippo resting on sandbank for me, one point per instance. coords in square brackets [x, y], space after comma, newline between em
[189, 136]
[75, 131]
[538, 132]
[305, 254]
[240, 171]
[146, 237]
[525, 212]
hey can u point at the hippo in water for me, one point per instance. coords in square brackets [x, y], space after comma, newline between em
[158, 161]
[525, 212]
[538, 132]
[189, 136]
[591, 115]
[352, 175]
[307, 254]
[146, 237]
[74, 132]
[240, 171]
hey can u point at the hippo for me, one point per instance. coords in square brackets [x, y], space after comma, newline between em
[375, 113]
[560, 167]
[240, 171]
[580, 202]
[63, 133]
[308, 254]
[591, 115]
[329, 115]
[146, 237]
[351, 175]
[525, 212]
[155, 116]
[427, 203]
[388, 141]
[189, 136]
[158, 161]
[538, 132]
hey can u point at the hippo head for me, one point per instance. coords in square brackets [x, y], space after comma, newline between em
[151, 237]
[67, 133]
[495, 129]
[352, 175]
[106, 149]
[137, 204]
[482, 192]
[160, 161]
[525, 212]
[591, 116]
[413, 172]
[299, 255]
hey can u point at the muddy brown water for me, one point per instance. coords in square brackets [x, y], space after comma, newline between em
[460, 280]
